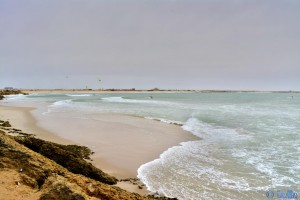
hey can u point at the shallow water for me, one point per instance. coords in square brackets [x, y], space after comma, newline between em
[248, 143]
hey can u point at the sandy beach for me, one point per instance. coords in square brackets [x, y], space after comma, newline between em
[121, 143]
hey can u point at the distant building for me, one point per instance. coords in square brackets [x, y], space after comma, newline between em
[9, 89]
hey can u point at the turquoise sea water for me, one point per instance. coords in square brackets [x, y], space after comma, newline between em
[249, 143]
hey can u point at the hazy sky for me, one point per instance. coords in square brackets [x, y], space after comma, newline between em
[177, 44]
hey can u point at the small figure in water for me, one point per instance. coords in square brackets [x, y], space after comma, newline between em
[151, 97]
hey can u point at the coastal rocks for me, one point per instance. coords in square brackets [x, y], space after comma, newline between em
[15, 158]
[52, 180]
[26, 180]
[5, 124]
[12, 188]
[134, 181]
[6, 127]
[61, 191]
[81, 151]
[16, 130]
[141, 185]
[69, 156]
[9, 92]
[5, 92]
[161, 198]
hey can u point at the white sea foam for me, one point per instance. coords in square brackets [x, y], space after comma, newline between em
[124, 100]
[61, 106]
[202, 129]
[79, 95]
[194, 162]
[165, 120]
[15, 97]
[268, 163]
[184, 172]
[62, 103]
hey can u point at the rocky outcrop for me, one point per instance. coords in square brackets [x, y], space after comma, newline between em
[61, 191]
[69, 156]
[5, 124]
[52, 180]
[5, 92]
[134, 181]
[9, 92]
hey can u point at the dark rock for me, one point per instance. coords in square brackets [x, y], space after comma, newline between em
[25, 134]
[14, 158]
[8, 92]
[2, 144]
[81, 151]
[6, 124]
[61, 191]
[70, 156]
[26, 180]
[160, 198]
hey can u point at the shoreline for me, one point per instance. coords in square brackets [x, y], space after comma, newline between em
[122, 162]
[32, 91]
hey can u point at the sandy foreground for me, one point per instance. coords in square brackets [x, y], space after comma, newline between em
[121, 143]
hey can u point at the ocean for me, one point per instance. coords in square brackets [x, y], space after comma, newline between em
[248, 147]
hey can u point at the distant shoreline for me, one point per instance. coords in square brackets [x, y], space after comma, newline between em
[150, 91]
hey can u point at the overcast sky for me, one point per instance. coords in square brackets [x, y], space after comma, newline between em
[170, 44]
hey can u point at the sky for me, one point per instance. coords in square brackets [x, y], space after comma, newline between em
[143, 44]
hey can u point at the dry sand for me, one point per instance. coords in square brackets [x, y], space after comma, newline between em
[121, 143]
